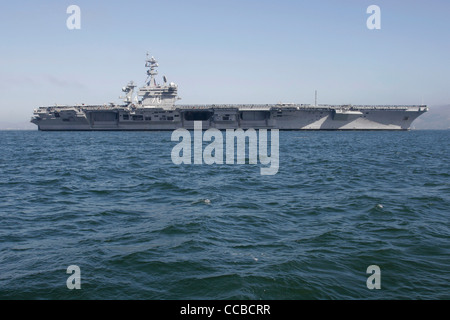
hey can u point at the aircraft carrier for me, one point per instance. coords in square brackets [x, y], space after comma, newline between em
[154, 107]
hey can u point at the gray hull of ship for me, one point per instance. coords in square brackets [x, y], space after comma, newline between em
[312, 118]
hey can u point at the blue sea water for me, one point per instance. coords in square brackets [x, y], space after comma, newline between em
[140, 227]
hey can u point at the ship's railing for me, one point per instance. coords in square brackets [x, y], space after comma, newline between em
[386, 106]
[231, 106]
[251, 106]
[320, 106]
[87, 107]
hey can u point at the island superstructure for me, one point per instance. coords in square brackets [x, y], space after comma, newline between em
[154, 107]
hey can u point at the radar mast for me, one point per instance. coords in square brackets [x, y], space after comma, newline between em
[156, 95]
[152, 64]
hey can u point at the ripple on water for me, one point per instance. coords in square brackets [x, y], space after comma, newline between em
[141, 227]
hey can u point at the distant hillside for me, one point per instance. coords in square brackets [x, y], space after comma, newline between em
[438, 118]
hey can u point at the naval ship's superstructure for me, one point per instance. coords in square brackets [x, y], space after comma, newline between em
[154, 108]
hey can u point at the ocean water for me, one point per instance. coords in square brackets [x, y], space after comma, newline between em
[140, 227]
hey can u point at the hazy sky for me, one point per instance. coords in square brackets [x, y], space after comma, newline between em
[244, 51]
